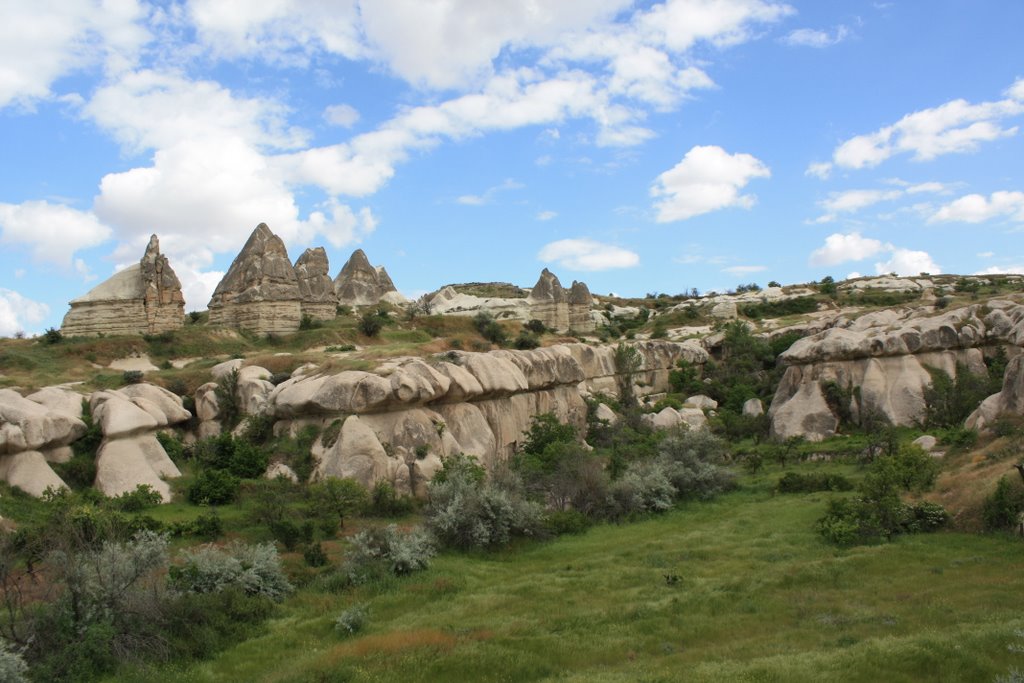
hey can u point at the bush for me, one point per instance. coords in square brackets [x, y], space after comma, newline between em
[227, 399]
[53, 336]
[909, 469]
[561, 522]
[526, 341]
[489, 328]
[385, 501]
[793, 482]
[692, 463]
[213, 487]
[1001, 510]
[949, 401]
[253, 569]
[388, 551]
[644, 487]
[314, 555]
[142, 498]
[172, 445]
[463, 514]
[339, 498]
[351, 620]
[200, 624]
[371, 323]
[536, 326]
[13, 668]
[239, 457]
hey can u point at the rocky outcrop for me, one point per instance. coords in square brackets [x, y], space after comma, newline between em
[130, 454]
[260, 291]
[883, 360]
[34, 433]
[144, 298]
[316, 289]
[559, 308]
[396, 423]
[360, 284]
[449, 301]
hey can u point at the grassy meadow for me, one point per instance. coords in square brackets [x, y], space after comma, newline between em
[752, 594]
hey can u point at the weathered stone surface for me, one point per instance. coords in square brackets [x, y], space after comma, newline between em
[277, 470]
[468, 425]
[168, 404]
[693, 418]
[549, 302]
[449, 301]
[316, 288]
[29, 426]
[118, 416]
[603, 412]
[260, 291]
[144, 298]
[725, 310]
[926, 442]
[753, 407]
[30, 472]
[59, 399]
[123, 464]
[701, 402]
[360, 284]
[805, 413]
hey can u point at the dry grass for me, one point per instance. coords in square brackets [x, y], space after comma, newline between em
[392, 642]
[970, 477]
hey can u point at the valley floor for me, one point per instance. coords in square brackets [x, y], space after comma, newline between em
[759, 597]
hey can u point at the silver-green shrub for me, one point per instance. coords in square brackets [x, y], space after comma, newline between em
[388, 550]
[13, 668]
[254, 569]
[462, 513]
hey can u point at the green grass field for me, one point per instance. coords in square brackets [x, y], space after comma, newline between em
[759, 598]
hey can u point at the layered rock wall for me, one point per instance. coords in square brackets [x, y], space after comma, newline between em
[144, 298]
[883, 360]
[316, 289]
[395, 424]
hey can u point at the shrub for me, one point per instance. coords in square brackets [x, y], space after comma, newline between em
[132, 377]
[526, 341]
[949, 401]
[13, 668]
[370, 323]
[460, 465]
[536, 326]
[1001, 510]
[351, 620]
[691, 462]
[308, 323]
[793, 482]
[53, 336]
[227, 399]
[909, 469]
[463, 514]
[142, 498]
[385, 501]
[561, 522]
[644, 487]
[489, 328]
[339, 497]
[253, 569]
[193, 316]
[239, 457]
[208, 525]
[377, 552]
[172, 445]
[213, 487]
[314, 555]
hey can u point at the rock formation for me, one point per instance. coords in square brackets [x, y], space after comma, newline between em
[144, 298]
[316, 288]
[549, 302]
[396, 423]
[882, 359]
[260, 292]
[33, 434]
[360, 284]
[580, 302]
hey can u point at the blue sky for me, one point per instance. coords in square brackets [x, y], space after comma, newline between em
[637, 146]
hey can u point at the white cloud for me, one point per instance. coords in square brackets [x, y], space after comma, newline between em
[976, 208]
[42, 41]
[587, 254]
[489, 194]
[1016, 91]
[840, 248]
[908, 262]
[986, 254]
[53, 231]
[679, 24]
[342, 115]
[18, 314]
[744, 270]
[1003, 270]
[707, 179]
[809, 37]
[956, 126]
[546, 215]
[851, 201]
[819, 169]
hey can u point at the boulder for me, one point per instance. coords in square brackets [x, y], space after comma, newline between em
[360, 284]
[123, 464]
[926, 442]
[30, 472]
[59, 399]
[29, 426]
[725, 310]
[277, 470]
[356, 453]
[701, 402]
[606, 414]
[169, 405]
[118, 416]
[260, 291]
[753, 407]
[144, 298]
[316, 289]
[693, 418]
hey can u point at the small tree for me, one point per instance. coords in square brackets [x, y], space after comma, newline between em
[370, 323]
[628, 362]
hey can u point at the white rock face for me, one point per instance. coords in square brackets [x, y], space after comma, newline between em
[926, 442]
[26, 425]
[701, 402]
[124, 464]
[725, 310]
[753, 407]
[605, 413]
[277, 470]
[30, 472]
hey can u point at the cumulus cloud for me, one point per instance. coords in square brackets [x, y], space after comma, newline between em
[54, 232]
[707, 179]
[851, 201]
[809, 37]
[42, 41]
[956, 126]
[908, 262]
[1002, 270]
[342, 115]
[976, 208]
[587, 254]
[744, 270]
[842, 248]
[18, 313]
